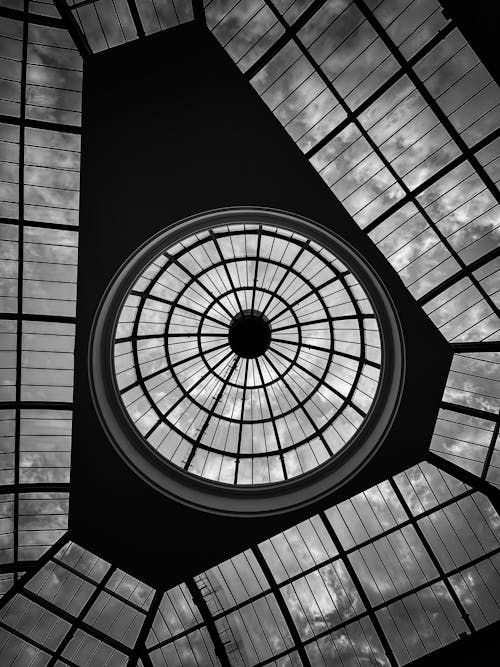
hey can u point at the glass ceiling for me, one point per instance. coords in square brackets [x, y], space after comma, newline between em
[199, 391]
[381, 579]
[395, 112]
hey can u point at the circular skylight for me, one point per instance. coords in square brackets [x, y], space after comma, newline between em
[245, 349]
[247, 354]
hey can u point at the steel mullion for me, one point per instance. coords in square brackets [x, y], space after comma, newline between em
[210, 625]
[435, 561]
[240, 430]
[146, 660]
[274, 589]
[403, 596]
[464, 272]
[35, 405]
[77, 622]
[42, 225]
[140, 643]
[491, 449]
[370, 612]
[289, 270]
[23, 566]
[344, 554]
[186, 394]
[194, 278]
[313, 291]
[346, 399]
[272, 418]
[374, 97]
[467, 410]
[30, 641]
[20, 286]
[282, 41]
[145, 296]
[37, 486]
[74, 30]
[199, 12]
[481, 346]
[176, 636]
[41, 125]
[428, 98]
[460, 159]
[28, 317]
[27, 576]
[325, 349]
[211, 412]
[257, 257]
[300, 406]
[37, 19]
[134, 12]
[93, 582]
[143, 379]
[331, 318]
[225, 261]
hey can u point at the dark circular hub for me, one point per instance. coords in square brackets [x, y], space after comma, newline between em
[250, 334]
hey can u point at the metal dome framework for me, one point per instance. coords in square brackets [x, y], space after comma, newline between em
[257, 430]
[176, 325]
[451, 203]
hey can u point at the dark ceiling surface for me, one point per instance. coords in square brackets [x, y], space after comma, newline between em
[194, 136]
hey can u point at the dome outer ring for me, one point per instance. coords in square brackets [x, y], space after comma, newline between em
[258, 499]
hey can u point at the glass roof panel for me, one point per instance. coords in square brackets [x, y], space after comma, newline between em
[389, 574]
[414, 109]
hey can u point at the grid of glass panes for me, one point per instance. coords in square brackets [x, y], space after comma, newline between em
[400, 118]
[467, 429]
[394, 573]
[39, 184]
[76, 609]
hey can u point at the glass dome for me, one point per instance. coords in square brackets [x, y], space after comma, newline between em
[247, 354]
[246, 348]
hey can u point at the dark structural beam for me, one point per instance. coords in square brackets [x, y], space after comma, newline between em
[40, 225]
[73, 28]
[199, 12]
[485, 346]
[435, 560]
[28, 317]
[287, 35]
[440, 35]
[488, 139]
[35, 405]
[467, 410]
[34, 488]
[292, 628]
[37, 19]
[464, 272]
[199, 601]
[17, 587]
[40, 124]
[134, 12]
[479, 25]
[360, 590]
[139, 649]
[467, 478]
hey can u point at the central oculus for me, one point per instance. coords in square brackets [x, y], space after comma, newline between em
[250, 334]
